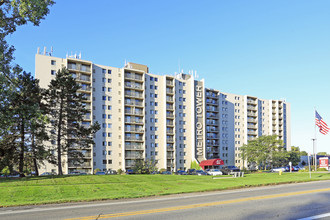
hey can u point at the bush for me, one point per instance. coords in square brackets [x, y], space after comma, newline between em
[5, 171]
[120, 171]
[162, 170]
[322, 169]
[97, 170]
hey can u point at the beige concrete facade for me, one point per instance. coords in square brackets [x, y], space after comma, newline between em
[171, 119]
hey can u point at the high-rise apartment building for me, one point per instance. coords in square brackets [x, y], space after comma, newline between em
[173, 120]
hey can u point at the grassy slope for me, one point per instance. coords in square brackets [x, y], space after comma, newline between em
[40, 190]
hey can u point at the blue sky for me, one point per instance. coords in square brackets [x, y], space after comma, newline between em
[269, 49]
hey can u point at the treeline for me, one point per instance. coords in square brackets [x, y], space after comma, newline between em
[30, 116]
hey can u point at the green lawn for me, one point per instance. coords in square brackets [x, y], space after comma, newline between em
[41, 190]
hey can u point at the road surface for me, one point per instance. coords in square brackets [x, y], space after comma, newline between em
[289, 201]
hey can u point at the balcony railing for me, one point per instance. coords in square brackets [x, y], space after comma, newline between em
[134, 147]
[85, 164]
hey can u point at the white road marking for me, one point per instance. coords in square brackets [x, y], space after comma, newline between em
[316, 216]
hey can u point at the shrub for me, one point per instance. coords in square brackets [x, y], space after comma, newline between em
[5, 171]
[97, 170]
[120, 171]
[322, 169]
[162, 170]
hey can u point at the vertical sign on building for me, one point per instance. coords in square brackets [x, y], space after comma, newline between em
[199, 120]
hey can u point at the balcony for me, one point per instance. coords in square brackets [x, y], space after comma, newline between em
[251, 114]
[85, 164]
[170, 140]
[169, 99]
[252, 120]
[132, 112]
[134, 147]
[252, 132]
[133, 156]
[169, 123]
[132, 129]
[132, 121]
[211, 102]
[134, 95]
[170, 157]
[252, 126]
[169, 107]
[169, 115]
[133, 86]
[252, 108]
[170, 148]
[134, 103]
[133, 76]
[133, 138]
[169, 91]
[252, 102]
[169, 83]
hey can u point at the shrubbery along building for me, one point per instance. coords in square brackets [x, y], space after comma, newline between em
[171, 119]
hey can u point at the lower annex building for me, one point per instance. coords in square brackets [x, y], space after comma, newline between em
[173, 120]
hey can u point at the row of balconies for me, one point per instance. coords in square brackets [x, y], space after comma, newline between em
[79, 67]
[134, 94]
[133, 121]
[134, 86]
[136, 103]
[133, 112]
[134, 138]
[76, 165]
[134, 129]
[131, 76]
[134, 147]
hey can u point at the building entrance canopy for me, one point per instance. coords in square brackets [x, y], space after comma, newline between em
[210, 164]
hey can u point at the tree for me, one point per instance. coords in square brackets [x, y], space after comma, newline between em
[145, 166]
[195, 165]
[67, 112]
[303, 153]
[13, 13]
[322, 153]
[263, 150]
[25, 111]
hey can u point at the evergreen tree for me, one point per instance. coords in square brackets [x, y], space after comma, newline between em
[67, 112]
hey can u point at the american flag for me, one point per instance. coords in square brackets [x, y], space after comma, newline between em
[324, 129]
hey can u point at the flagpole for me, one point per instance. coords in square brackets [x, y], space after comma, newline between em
[314, 142]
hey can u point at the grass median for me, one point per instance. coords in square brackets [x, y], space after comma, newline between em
[59, 189]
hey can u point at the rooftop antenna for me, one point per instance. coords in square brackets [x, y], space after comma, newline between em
[67, 55]
[44, 50]
[38, 51]
[80, 55]
[51, 51]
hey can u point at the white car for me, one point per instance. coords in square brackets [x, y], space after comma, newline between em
[278, 169]
[214, 172]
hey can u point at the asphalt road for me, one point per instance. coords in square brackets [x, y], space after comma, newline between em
[290, 201]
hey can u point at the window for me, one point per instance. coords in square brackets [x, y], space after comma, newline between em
[151, 86]
[109, 107]
[103, 70]
[109, 143]
[156, 79]
[151, 78]
[109, 71]
[156, 87]
[104, 161]
[53, 62]
[109, 89]
[109, 80]
[109, 161]
[53, 72]
[109, 116]
[156, 95]
[104, 98]
[156, 103]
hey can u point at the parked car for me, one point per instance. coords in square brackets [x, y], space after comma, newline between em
[181, 172]
[278, 169]
[200, 173]
[191, 172]
[74, 173]
[48, 173]
[130, 171]
[166, 173]
[214, 172]
[111, 172]
[100, 173]
[228, 170]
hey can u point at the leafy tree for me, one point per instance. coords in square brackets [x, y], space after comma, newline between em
[195, 165]
[322, 153]
[263, 150]
[145, 166]
[13, 13]
[67, 112]
[303, 153]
